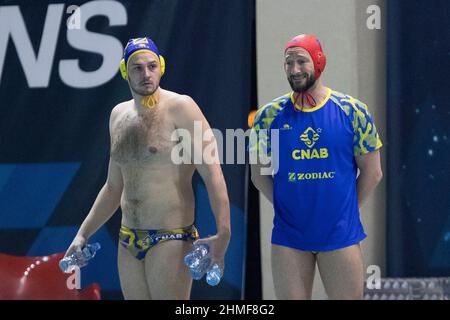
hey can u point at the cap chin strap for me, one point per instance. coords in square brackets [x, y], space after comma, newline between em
[304, 96]
[149, 101]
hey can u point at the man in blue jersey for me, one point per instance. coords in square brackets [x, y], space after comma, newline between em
[324, 137]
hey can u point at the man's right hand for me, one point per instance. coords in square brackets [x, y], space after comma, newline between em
[77, 244]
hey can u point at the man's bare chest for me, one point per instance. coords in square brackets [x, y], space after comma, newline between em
[141, 138]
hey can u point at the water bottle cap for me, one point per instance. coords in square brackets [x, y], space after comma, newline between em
[63, 265]
[214, 275]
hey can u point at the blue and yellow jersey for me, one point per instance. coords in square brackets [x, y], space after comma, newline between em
[314, 185]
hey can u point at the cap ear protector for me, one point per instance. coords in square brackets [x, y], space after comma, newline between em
[124, 72]
[138, 45]
[123, 69]
[311, 44]
[162, 62]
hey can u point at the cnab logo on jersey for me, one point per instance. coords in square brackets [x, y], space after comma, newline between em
[309, 137]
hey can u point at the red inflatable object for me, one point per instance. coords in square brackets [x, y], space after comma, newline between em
[39, 278]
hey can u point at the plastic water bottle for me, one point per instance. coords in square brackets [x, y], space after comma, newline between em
[198, 261]
[79, 259]
[214, 275]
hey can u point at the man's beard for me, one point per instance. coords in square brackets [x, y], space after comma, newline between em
[143, 91]
[299, 88]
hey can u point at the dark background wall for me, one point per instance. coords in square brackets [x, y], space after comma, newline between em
[418, 118]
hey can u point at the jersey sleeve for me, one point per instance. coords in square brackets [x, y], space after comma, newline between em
[260, 133]
[366, 137]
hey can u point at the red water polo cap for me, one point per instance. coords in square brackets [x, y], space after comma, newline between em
[311, 44]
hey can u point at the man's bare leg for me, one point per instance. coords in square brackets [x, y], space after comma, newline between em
[293, 273]
[342, 273]
[168, 278]
[132, 276]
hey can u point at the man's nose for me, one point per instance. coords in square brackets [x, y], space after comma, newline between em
[146, 72]
[296, 68]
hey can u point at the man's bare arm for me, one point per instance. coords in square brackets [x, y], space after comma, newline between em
[186, 114]
[105, 205]
[264, 183]
[370, 175]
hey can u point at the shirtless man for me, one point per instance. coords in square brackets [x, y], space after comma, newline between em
[155, 195]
